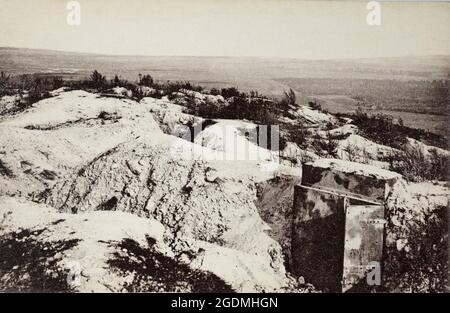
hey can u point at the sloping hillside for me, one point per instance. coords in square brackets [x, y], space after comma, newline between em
[104, 190]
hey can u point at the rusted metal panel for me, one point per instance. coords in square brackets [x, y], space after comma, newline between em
[364, 229]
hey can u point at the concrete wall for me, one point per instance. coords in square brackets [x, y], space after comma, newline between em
[362, 186]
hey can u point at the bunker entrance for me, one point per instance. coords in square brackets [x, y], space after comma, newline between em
[338, 228]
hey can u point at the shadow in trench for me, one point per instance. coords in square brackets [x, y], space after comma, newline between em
[28, 264]
[155, 272]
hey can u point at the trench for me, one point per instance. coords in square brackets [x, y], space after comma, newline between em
[275, 198]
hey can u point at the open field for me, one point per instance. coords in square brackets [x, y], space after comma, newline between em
[436, 123]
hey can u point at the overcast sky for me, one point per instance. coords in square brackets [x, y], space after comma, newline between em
[299, 29]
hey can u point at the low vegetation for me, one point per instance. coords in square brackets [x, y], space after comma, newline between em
[416, 165]
[244, 106]
[357, 154]
[254, 107]
[326, 147]
[5, 170]
[30, 88]
[384, 130]
[296, 133]
[315, 105]
[422, 265]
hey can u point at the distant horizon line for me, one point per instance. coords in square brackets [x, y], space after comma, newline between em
[224, 56]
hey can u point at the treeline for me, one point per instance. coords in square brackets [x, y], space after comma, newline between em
[241, 105]
[29, 88]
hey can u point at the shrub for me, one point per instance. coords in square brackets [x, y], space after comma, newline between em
[258, 110]
[5, 171]
[230, 92]
[29, 88]
[138, 93]
[118, 82]
[106, 116]
[357, 154]
[4, 83]
[145, 80]
[206, 110]
[169, 87]
[288, 101]
[289, 97]
[38, 89]
[98, 81]
[254, 94]
[214, 92]
[353, 152]
[297, 134]
[380, 128]
[422, 266]
[58, 82]
[314, 105]
[416, 166]
[326, 146]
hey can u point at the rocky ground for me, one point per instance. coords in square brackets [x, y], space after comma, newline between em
[100, 193]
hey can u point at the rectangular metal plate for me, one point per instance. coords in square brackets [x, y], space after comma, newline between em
[364, 228]
[318, 237]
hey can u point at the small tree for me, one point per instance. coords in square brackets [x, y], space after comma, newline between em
[38, 88]
[315, 105]
[98, 80]
[138, 93]
[289, 101]
[327, 145]
[116, 82]
[297, 133]
[230, 92]
[289, 97]
[57, 82]
[145, 80]
[353, 152]
[4, 82]
[214, 91]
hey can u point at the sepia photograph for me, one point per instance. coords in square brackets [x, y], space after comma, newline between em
[239, 147]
